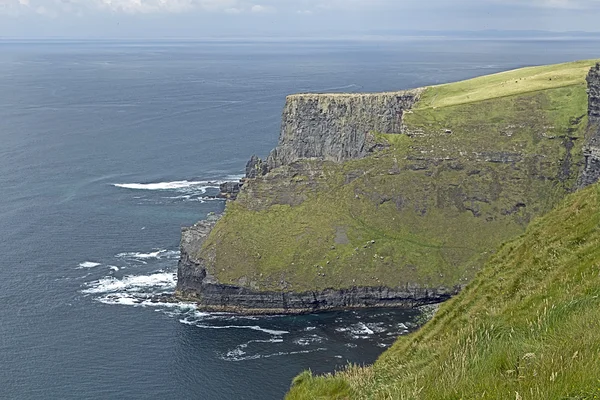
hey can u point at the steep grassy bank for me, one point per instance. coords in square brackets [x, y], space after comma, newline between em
[528, 326]
[477, 160]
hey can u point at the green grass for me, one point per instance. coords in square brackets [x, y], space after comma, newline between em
[528, 326]
[428, 210]
[509, 83]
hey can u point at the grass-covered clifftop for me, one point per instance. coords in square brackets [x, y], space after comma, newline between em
[476, 162]
[528, 326]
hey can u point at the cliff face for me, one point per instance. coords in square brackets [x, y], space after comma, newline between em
[593, 80]
[391, 199]
[197, 284]
[337, 127]
[591, 172]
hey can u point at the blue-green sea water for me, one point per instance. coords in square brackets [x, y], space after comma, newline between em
[108, 148]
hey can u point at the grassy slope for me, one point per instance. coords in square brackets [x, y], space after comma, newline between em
[528, 326]
[509, 83]
[435, 204]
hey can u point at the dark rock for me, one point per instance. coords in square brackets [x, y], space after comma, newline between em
[256, 167]
[591, 171]
[230, 190]
[337, 127]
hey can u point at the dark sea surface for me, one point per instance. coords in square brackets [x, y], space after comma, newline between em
[108, 148]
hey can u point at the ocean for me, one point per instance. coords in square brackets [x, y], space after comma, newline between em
[108, 148]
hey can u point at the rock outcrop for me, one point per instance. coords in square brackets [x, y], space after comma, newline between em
[337, 127]
[591, 172]
[230, 190]
[191, 273]
[256, 167]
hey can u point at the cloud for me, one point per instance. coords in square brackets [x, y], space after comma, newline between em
[363, 11]
[120, 6]
[259, 8]
[181, 6]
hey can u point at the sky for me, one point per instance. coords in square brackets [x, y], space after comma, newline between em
[290, 18]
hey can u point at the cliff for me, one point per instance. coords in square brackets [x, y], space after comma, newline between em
[392, 199]
[591, 171]
[336, 127]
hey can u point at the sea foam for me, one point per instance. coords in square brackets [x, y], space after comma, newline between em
[179, 185]
[133, 283]
[166, 185]
[157, 254]
[88, 264]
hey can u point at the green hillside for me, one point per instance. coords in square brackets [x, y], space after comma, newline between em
[528, 326]
[479, 159]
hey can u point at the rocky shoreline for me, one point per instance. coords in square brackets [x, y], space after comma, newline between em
[196, 284]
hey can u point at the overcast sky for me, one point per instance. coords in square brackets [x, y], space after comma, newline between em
[235, 18]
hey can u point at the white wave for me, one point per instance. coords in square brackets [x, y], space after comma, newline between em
[158, 254]
[307, 341]
[122, 300]
[88, 264]
[252, 327]
[166, 185]
[130, 299]
[161, 280]
[113, 268]
[358, 331]
[239, 351]
[201, 186]
[278, 354]
[234, 354]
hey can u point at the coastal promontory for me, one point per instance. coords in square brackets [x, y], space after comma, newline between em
[395, 199]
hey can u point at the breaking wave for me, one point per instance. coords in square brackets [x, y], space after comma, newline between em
[133, 283]
[157, 254]
[166, 185]
[179, 185]
[88, 264]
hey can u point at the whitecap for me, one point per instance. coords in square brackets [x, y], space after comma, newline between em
[157, 254]
[161, 280]
[88, 264]
[306, 341]
[252, 327]
[113, 268]
[364, 329]
[185, 185]
[164, 185]
[123, 300]
[278, 354]
[359, 330]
